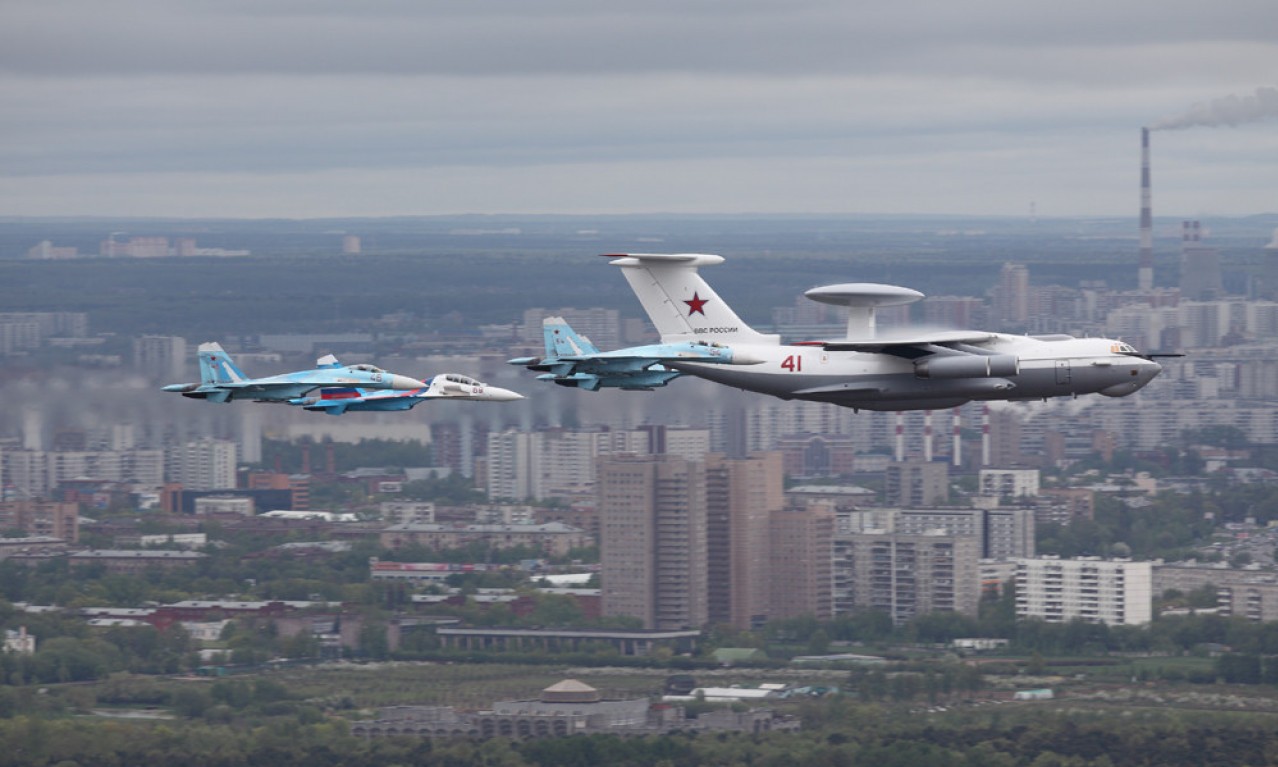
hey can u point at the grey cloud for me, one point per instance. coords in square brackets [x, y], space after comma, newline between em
[512, 37]
[280, 123]
[330, 105]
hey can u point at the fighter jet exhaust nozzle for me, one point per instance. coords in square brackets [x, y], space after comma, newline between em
[967, 366]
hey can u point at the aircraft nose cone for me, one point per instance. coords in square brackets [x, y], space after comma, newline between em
[745, 357]
[1149, 370]
[497, 394]
[404, 383]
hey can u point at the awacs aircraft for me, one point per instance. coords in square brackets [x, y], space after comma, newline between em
[572, 360]
[222, 381]
[337, 401]
[922, 371]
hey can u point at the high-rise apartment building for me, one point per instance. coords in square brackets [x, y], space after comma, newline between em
[1005, 438]
[561, 463]
[916, 483]
[652, 521]
[959, 312]
[202, 465]
[1109, 591]
[1200, 277]
[907, 575]
[800, 575]
[509, 467]
[161, 357]
[1001, 533]
[601, 326]
[1013, 295]
[741, 496]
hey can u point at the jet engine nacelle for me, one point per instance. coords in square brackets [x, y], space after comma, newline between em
[967, 366]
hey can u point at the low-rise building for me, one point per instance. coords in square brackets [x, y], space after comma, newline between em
[19, 641]
[1009, 483]
[135, 562]
[52, 519]
[567, 708]
[1252, 594]
[554, 538]
[626, 641]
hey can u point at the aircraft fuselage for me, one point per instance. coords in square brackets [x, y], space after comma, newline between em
[883, 381]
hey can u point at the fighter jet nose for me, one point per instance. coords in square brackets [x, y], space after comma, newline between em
[745, 357]
[404, 383]
[502, 395]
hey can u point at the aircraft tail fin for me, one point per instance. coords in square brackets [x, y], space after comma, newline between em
[563, 341]
[327, 362]
[680, 302]
[216, 366]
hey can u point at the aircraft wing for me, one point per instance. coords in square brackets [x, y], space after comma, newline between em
[897, 345]
[948, 354]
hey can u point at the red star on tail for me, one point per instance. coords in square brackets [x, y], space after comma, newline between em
[695, 305]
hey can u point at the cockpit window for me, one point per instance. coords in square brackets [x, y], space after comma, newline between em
[367, 368]
[461, 380]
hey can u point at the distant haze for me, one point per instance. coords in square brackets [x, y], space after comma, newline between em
[314, 108]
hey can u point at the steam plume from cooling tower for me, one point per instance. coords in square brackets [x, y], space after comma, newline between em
[1230, 110]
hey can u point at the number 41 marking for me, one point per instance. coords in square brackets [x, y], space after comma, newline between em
[793, 363]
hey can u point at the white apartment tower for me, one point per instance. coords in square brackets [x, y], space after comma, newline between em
[203, 465]
[1109, 591]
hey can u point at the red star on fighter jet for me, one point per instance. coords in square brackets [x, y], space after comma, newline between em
[695, 305]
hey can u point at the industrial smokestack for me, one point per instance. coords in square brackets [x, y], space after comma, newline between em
[927, 435]
[900, 436]
[957, 458]
[1145, 274]
[985, 436]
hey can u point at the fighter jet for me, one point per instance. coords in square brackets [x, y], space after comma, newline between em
[919, 371]
[222, 381]
[454, 386]
[572, 360]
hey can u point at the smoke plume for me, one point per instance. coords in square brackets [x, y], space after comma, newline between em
[1230, 110]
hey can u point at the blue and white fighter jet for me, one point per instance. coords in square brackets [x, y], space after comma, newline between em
[222, 381]
[445, 386]
[572, 360]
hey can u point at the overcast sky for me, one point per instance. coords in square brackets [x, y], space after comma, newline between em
[312, 108]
